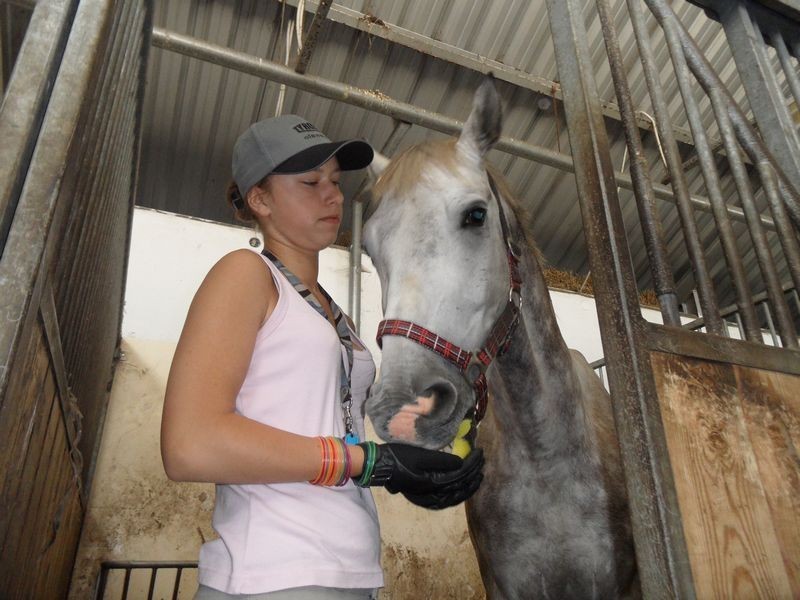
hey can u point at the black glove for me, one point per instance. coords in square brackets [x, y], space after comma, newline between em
[427, 478]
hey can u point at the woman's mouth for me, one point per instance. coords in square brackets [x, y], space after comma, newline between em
[332, 220]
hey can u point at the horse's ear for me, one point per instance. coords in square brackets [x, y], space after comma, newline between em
[377, 166]
[482, 127]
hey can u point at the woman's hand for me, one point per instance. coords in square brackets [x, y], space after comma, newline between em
[427, 478]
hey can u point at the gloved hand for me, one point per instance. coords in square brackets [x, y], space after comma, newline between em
[427, 478]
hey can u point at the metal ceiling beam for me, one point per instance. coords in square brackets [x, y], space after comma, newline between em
[310, 38]
[380, 103]
[404, 37]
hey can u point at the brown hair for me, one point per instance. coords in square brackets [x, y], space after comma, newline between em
[241, 209]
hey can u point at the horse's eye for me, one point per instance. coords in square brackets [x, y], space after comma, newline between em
[474, 217]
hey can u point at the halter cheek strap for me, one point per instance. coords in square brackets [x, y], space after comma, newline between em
[472, 364]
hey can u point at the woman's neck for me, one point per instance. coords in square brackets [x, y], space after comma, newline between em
[304, 264]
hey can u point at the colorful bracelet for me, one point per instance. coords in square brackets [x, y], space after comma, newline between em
[370, 454]
[336, 464]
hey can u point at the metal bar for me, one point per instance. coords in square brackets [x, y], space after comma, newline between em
[310, 38]
[326, 88]
[25, 100]
[126, 583]
[789, 70]
[752, 331]
[711, 178]
[643, 189]
[661, 553]
[748, 138]
[770, 325]
[766, 100]
[375, 27]
[177, 583]
[788, 238]
[152, 585]
[678, 178]
[759, 238]
[355, 265]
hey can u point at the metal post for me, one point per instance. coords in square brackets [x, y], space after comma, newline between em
[678, 178]
[660, 546]
[643, 188]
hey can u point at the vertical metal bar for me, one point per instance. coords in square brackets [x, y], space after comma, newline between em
[678, 178]
[660, 546]
[776, 37]
[152, 583]
[126, 583]
[740, 325]
[791, 247]
[748, 138]
[177, 583]
[766, 99]
[770, 324]
[760, 243]
[355, 266]
[642, 186]
[711, 178]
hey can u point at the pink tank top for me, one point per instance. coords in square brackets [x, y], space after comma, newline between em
[284, 535]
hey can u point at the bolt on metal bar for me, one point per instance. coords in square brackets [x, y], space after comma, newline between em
[652, 229]
[678, 178]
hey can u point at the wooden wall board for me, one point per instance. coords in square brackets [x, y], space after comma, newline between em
[43, 513]
[733, 543]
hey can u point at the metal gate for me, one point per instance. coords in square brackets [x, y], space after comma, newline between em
[70, 141]
[709, 425]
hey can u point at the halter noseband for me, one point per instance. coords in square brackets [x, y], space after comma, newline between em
[472, 365]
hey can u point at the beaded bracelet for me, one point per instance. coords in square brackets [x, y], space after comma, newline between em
[336, 463]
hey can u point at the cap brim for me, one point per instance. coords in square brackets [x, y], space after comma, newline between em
[351, 155]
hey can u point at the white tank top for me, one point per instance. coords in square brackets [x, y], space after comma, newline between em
[285, 535]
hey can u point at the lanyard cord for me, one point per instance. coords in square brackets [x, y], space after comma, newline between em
[342, 330]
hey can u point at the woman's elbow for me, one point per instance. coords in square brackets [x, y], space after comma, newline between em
[178, 459]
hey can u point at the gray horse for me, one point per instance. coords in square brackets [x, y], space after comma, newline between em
[458, 271]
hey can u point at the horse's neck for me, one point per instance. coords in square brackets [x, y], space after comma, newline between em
[535, 391]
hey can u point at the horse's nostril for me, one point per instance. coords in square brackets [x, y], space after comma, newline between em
[442, 394]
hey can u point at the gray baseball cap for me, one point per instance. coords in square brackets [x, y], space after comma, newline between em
[290, 144]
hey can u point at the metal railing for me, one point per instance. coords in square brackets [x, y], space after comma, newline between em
[144, 579]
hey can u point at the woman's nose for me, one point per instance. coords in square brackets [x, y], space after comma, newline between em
[333, 193]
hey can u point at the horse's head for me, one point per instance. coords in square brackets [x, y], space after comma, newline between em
[434, 233]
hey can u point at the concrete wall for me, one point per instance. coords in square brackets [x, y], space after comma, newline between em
[135, 513]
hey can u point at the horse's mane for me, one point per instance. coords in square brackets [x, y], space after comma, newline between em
[402, 174]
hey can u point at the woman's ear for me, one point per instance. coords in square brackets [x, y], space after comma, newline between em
[258, 200]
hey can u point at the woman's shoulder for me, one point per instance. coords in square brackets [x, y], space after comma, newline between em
[242, 276]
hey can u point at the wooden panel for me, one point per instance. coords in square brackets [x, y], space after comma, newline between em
[42, 514]
[771, 403]
[734, 546]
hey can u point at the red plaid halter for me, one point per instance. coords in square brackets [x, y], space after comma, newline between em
[473, 365]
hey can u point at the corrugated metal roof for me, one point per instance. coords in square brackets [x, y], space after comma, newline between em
[420, 52]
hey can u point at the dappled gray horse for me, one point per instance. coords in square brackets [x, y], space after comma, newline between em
[461, 285]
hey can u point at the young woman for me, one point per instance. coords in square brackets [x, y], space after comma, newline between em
[266, 389]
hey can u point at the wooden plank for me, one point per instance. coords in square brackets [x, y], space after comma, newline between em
[733, 546]
[771, 404]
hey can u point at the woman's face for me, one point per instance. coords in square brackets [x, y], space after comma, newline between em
[304, 210]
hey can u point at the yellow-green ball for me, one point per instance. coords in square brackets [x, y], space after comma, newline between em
[461, 448]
